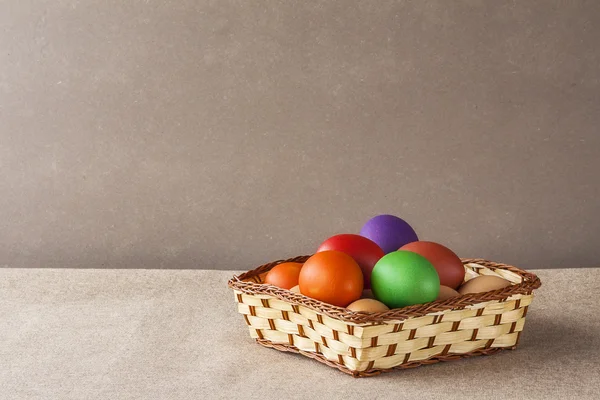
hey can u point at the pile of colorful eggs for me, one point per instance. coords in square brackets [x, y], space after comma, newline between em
[386, 266]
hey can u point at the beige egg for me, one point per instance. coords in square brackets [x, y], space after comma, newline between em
[368, 305]
[367, 294]
[483, 283]
[447, 293]
[295, 289]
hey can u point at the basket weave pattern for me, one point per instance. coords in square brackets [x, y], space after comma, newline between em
[364, 344]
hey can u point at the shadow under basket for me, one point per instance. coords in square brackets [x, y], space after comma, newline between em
[366, 344]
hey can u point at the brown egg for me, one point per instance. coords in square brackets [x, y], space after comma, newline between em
[367, 294]
[483, 283]
[448, 265]
[295, 289]
[447, 293]
[368, 305]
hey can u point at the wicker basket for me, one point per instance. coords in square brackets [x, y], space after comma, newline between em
[365, 344]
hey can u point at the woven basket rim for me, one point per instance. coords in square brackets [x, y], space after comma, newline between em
[529, 282]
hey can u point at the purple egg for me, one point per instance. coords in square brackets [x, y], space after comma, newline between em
[389, 232]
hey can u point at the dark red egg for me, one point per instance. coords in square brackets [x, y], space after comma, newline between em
[364, 251]
[447, 264]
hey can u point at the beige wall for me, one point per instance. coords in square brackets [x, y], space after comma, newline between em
[220, 134]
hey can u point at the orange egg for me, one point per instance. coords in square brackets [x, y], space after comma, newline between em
[284, 275]
[332, 277]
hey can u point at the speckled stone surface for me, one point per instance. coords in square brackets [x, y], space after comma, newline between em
[158, 334]
[223, 134]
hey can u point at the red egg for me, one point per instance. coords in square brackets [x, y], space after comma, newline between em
[364, 251]
[447, 264]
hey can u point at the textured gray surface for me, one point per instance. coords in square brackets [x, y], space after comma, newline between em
[203, 134]
[158, 334]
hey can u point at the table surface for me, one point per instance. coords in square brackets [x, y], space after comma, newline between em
[157, 334]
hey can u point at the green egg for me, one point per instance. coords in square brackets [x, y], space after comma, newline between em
[403, 278]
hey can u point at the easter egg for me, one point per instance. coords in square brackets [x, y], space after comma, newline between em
[367, 305]
[403, 278]
[332, 277]
[447, 264]
[446, 293]
[483, 283]
[388, 232]
[364, 251]
[284, 275]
